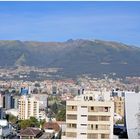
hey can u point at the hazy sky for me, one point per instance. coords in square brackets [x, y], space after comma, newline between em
[60, 21]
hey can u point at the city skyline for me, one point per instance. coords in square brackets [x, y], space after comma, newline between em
[60, 21]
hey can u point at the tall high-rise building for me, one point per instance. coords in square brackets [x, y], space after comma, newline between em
[28, 107]
[8, 101]
[89, 116]
[15, 100]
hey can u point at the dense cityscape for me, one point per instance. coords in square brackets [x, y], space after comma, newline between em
[69, 70]
[85, 107]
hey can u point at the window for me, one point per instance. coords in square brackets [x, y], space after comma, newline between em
[92, 136]
[83, 106]
[104, 118]
[104, 136]
[71, 125]
[96, 126]
[83, 133]
[106, 109]
[83, 115]
[90, 98]
[71, 134]
[72, 117]
[92, 118]
[74, 125]
[83, 124]
[92, 108]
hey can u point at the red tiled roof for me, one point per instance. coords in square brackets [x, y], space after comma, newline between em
[52, 125]
[30, 132]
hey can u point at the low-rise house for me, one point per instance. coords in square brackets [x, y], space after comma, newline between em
[48, 135]
[53, 128]
[30, 133]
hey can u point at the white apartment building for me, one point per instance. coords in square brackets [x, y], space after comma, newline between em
[89, 116]
[28, 107]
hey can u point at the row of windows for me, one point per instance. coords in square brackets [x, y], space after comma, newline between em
[89, 135]
[90, 109]
[90, 117]
[91, 126]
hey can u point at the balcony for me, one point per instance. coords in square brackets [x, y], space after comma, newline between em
[71, 117]
[71, 134]
[71, 108]
[98, 118]
[98, 109]
[98, 127]
[92, 136]
[99, 131]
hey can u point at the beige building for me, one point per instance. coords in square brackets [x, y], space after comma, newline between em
[28, 107]
[119, 105]
[89, 116]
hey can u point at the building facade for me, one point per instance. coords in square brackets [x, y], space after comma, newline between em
[119, 105]
[43, 100]
[8, 101]
[1, 100]
[28, 107]
[132, 113]
[89, 117]
[2, 114]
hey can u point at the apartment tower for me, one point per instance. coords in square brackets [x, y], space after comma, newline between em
[89, 116]
[28, 107]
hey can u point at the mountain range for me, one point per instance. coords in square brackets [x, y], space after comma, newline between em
[75, 57]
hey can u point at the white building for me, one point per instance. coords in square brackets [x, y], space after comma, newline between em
[28, 107]
[13, 112]
[89, 116]
[42, 98]
[132, 110]
[5, 129]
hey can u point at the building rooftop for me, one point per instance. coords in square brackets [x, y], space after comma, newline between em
[47, 135]
[30, 131]
[53, 126]
[93, 96]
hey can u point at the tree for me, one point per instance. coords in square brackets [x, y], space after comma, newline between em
[24, 124]
[120, 121]
[12, 119]
[63, 103]
[61, 116]
[54, 107]
[34, 122]
[42, 122]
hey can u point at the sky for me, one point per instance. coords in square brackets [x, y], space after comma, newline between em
[60, 21]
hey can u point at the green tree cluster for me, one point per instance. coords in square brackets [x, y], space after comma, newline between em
[61, 115]
[54, 107]
[32, 122]
[120, 121]
[12, 119]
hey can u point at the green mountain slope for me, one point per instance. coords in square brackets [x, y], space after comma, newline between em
[74, 56]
